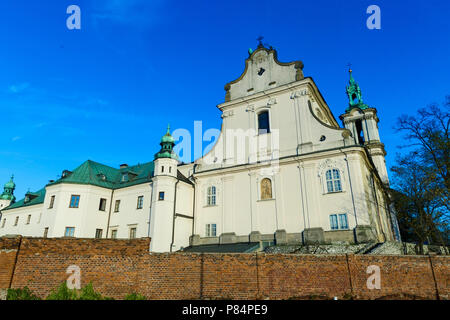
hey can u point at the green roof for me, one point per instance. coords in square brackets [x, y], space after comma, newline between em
[104, 176]
[35, 198]
[97, 174]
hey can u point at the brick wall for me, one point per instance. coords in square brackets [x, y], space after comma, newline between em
[119, 267]
[8, 253]
[111, 265]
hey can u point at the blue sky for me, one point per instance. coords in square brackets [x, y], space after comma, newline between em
[106, 92]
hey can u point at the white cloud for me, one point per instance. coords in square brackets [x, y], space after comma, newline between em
[18, 88]
[16, 138]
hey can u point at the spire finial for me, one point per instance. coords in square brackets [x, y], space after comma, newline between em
[260, 44]
[168, 128]
[350, 72]
[354, 93]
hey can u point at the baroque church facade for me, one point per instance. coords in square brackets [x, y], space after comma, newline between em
[282, 171]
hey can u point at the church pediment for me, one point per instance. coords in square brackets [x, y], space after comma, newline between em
[263, 71]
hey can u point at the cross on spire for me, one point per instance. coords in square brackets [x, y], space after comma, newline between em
[260, 38]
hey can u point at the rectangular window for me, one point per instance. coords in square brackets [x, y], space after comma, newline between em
[98, 233]
[114, 234]
[140, 202]
[16, 222]
[117, 206]
[46, 232]
[330, 186]
[132, 233]
[161, 196]
[70, 232]
[343, 224]
[263, 122]
[102, 205]
[211, 230]
[74, 201]
[211, 196]
[29, 219]
[4, 221]
[334, 222]
[338, 222]
[52, 202]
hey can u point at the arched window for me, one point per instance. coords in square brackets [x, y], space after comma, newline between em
[359, 131]
[266, 189]
[211, 197]
[333, 180]
[263, 122]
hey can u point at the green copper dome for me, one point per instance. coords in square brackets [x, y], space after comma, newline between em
[354, 95]
[10, 184]
[167, 144]
[8, 191]
[167, 138]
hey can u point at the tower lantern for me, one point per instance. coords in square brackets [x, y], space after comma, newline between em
[7, 197]
[362, 121]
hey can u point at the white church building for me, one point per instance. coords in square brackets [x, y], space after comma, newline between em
[282, 171]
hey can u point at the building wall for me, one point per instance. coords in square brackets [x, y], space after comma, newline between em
[33, 229]
[305, 141]
[4, 203]
[129, 216]
[87, 218]
[300, 197]
[119, 267]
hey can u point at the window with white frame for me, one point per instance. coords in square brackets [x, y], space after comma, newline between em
[74, 201]
[133, 233]
[263, 122]
[333, 179]
[211, 230]
[117, 206]
[338, 221]
[102, 205]
[211, 196]
[52, 202]
[140, 202]
[70, 232]
[4, 222]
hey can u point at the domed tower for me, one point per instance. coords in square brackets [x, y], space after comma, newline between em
[163, 195]
[7, 196]
[166, 160]
[362, 121]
